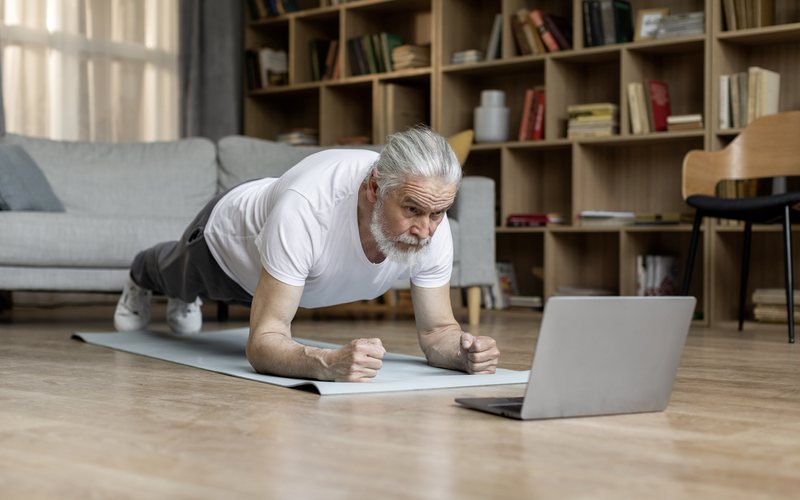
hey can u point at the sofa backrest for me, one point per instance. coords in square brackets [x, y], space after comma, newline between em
[245, 158]
[174, 178]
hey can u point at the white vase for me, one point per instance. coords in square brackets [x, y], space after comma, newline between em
[491, 117]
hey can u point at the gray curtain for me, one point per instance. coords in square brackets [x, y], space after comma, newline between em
[2, 110]
[211, 56]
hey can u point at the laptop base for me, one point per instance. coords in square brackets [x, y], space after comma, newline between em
[506, 407]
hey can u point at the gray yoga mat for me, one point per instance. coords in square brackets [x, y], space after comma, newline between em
[223, 352]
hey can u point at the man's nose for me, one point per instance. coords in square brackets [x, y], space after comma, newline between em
[422, 228]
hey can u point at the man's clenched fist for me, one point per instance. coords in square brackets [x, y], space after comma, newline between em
[358, 361]
[480, 354]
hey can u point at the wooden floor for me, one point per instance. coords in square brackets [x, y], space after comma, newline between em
[80, 421]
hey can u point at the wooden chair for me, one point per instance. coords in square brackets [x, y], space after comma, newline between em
[768, 147]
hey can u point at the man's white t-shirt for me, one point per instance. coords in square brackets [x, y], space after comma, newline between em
[303, 229]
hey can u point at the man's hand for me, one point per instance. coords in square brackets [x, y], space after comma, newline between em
[480, 354]
[358, 361]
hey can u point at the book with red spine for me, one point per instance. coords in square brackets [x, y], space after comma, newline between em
[526, 123]
[658, 92]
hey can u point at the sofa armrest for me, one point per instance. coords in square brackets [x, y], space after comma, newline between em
[474, 211]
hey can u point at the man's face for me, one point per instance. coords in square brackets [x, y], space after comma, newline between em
[404, 220]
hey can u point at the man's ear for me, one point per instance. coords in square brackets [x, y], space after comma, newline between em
[372, 188]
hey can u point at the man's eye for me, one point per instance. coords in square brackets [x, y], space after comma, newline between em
[412, 210]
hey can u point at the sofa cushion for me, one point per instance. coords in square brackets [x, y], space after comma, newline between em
[81, 240]
[23, 186]
[173, 178]
[246, 158]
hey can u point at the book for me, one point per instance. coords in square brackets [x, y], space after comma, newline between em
[729, 14]
[389, 42]
[538, 120]
[725, 102]
[532, 301]
[549, 41]
[684, 119]
[526, 121]
[530, 33]
[560, 28]
[658, 93]
[633, 108]
[607, 19]
[493, 48]
[519, 37]
[763, 92]
[623, 21]
[606, 218]
[588, 38]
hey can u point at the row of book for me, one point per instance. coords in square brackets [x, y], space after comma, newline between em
[745, 96]
[260, 9]
[504, 293]
[266, 67]
[531, 125]
[325, 61]
[592, 120]
[606, 22]
[684, 24]
[649, 106]
[538, 32]
[769, 305]
[657, 275]
[599, 218]
[743, 14]
[375, 53]
[626, 218]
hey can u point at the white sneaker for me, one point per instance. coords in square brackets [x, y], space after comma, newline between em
[133, 308]
[184, 317]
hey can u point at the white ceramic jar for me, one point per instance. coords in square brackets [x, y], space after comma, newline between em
[491, 117]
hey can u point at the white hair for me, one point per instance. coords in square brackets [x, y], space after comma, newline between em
[417, 152]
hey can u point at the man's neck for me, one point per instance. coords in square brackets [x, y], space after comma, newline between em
[364, 216]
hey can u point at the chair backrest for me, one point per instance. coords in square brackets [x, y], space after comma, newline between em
[768, 147]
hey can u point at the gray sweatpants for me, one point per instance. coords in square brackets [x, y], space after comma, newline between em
[186, 269]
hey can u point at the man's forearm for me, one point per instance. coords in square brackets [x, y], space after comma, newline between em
[278, 354]
[442, 348]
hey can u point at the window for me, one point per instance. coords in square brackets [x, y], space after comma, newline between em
[99, 70]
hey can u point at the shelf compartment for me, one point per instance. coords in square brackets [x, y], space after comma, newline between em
[579, 81]
[661, 243]
[486, 163]
[766, 269]
[461, 93]
[323, 26]
[526, 252]
[536, 181]
[581, 259]
[783, 33]
[346, 111]
[268, 114]
[475, 20]
[640, 177]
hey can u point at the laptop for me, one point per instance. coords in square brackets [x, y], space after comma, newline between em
[600, 356]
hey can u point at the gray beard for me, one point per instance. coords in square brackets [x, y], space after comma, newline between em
[388, 245]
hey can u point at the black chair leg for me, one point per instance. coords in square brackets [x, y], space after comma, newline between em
[748, 233]
[787, 240]
[222, 312]
[687, 272]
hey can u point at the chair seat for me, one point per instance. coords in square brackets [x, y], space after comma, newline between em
[758, 210]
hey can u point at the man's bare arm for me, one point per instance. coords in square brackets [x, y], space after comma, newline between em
[271, 349]
[444, 343]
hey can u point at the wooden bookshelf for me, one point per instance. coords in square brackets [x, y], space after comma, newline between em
[624, 172]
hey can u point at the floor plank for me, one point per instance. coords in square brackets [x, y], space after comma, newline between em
[81, 421]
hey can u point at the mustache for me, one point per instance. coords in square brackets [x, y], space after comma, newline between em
[411, 240]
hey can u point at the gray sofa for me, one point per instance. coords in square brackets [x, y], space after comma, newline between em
[122, 198]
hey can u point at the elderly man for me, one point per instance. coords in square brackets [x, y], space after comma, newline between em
[341, 225]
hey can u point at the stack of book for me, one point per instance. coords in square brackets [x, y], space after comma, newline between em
[649, 106]
[266, 67]
[467, 56]
[662, 218]
[748, 95]
[299, 137]
[769, 305]
[686, 24]
[750, 14]
[592, 120]
[657, 275]
[411, 56]
[685, 122]
[372, 53]
[607, 22]
[533, 219]
[606, 218]
[266, 8]
[538, 32]
[531, 126]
